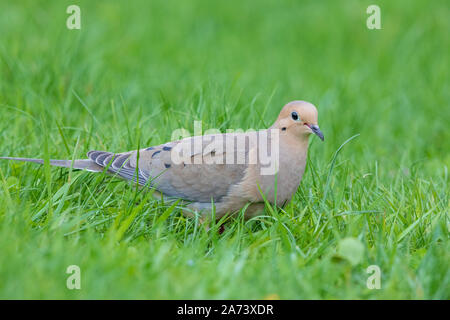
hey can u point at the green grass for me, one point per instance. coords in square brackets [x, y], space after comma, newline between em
[138, 70]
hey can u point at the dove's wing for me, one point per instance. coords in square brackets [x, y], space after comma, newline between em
[198, 169]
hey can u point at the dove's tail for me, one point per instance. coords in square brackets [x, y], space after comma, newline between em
[83, 164]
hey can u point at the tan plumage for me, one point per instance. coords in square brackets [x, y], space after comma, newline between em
[204, 174]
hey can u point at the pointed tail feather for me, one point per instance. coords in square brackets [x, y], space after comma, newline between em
[83, 164]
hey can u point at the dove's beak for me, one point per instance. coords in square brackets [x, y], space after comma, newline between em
[315, 129]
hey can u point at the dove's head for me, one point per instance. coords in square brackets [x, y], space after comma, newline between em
[299, 118]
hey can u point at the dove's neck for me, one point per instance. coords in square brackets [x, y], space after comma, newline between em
[292, 144]
[294, 147]
[292, 161]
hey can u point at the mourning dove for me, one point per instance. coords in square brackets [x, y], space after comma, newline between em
[225, 170]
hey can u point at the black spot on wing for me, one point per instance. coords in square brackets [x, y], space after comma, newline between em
[155, 153]
[167, 165]
[167, 148]
[149, 148]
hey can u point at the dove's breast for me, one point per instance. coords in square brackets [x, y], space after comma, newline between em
[278, 187]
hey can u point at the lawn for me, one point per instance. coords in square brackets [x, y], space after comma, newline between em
[138, 70]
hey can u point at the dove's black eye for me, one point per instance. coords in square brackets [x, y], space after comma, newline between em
[294, 116]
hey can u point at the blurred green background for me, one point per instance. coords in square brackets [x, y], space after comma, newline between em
[137, 70]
